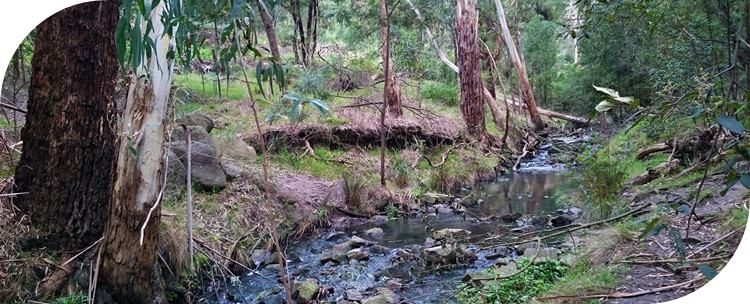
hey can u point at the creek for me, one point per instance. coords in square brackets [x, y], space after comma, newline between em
[516, 202]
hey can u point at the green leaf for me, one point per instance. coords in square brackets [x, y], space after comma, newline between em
[612, 93]
[142, 7]
[296, 109]
[625, 100]
[708, 271]
[745, 180]
[258, 76]
[604, 106]
[731, 124]
[279, 71]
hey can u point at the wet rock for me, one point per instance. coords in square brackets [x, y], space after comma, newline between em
[544, 253]
[479, 278]
[449, 232]
[385, 296]
[353, 295]
[443, 209]
[379, 219]
[403, 254]
[447, 254]
[359, 242]
[343, 247]
[498, 252]
[562, 220]
[336, 236]
[511, 217]
[374, 233]
[521, 248]
[429, 242]
[502, 262]
[358, 254]
[260, 256]
[197, 119]
[432, 198]
[379, 249]
[304, 292]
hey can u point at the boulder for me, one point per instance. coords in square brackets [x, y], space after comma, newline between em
[374, 233]
[197, 118]
[358, 254]
[498, 252]
[206, 168]
[544, 253]
[353, 295]
[336, 236]
[449, 232]
[197, 134]
[232, 171]
[384, 296]
[379, 219]
[359, 242]
[447, 254]
[235, 148]
[176, 172]
[260, 256]
[305, 291]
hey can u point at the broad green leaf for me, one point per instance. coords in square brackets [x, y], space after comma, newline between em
[745, 180]
[612, 93]
[258, 76]
[279, 71]
[296, 109]
[707, 271]
[604, 106]
[625, 100]
[730, 123]
[320, 106]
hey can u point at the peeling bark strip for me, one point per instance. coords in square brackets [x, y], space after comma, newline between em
[129, 269]
[470, 76]
[69, 135]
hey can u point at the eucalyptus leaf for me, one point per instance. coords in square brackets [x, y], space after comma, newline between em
[707, 271]
[604, 106]
[731, 124]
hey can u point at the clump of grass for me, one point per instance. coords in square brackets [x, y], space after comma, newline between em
[585, 278]
[520, 288]
[354, 192]
[401, 170]
[736, 219]
[205, 88]
[317, 165]
[74, 298]
[600, 181]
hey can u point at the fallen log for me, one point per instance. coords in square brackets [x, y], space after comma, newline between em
[655, 148]
[397, 136]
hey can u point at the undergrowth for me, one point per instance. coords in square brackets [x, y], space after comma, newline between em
[520, 288]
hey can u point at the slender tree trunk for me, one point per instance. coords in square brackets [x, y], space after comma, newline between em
[392, 90]
[128, 266]
[69, 138]
[273, 43]
[470, 76]
[300, 30]
[526, 91]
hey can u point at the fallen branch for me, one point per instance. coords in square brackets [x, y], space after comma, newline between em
[667, 261]
[711, 244]
[626, 214]
[655, 148]
[620, 295]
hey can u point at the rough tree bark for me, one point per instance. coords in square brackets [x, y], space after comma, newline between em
[523, 79]
[129, 267]
[392, 89]
[69, 135]
[471, 88]
[273, 42]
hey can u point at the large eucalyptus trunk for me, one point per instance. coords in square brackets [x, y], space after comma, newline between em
[129, 267]
[526, 92]
[392, 91]
[69, 138]
[469, 73]
[273, 42]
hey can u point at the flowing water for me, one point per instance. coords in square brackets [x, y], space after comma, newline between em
[525, 198]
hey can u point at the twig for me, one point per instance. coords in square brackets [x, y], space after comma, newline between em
[189, 186]
[82, 251]
[13, 194]
[214, 251]
[711, 244]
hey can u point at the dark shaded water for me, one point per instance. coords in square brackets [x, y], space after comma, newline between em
[530, 193]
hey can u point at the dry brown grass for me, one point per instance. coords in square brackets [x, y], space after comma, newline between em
[16, 269]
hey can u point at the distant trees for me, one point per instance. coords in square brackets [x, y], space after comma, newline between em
[305, 39]
[470, 76]
[69, 136]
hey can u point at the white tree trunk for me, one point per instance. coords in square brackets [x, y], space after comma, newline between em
[129, 266]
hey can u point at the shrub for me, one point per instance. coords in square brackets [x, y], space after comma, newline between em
[354, 190]
[520, 288]
[601, 179]
[313, 82]
[445, 93]
[401, 171]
